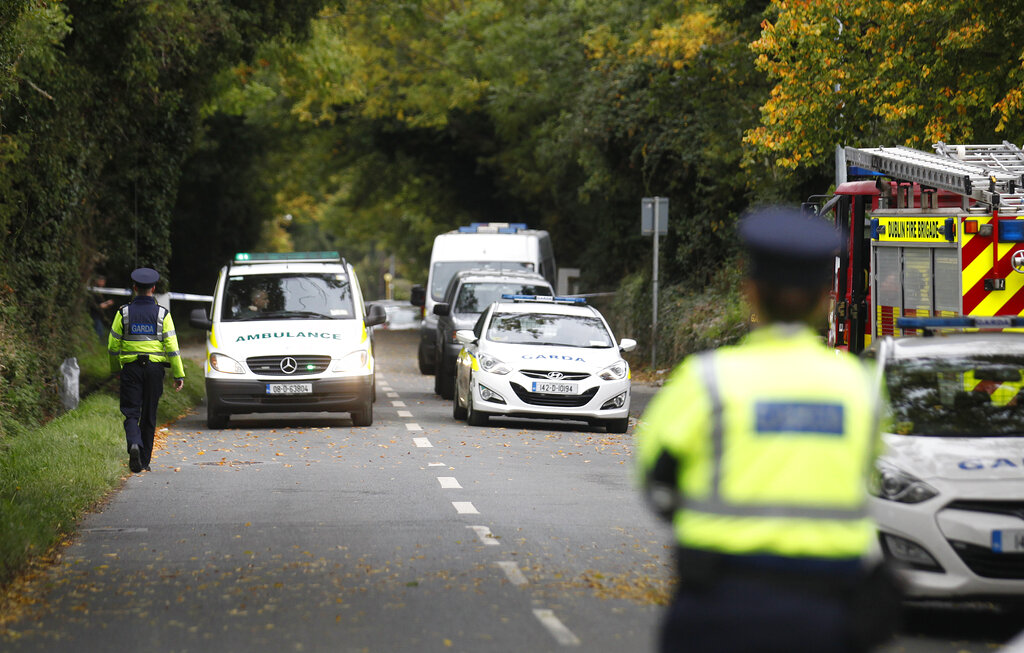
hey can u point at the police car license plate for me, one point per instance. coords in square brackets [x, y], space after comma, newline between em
[289, 388]
[1008, 541]
[555, 388]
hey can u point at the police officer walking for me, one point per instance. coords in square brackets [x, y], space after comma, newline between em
[759, 453]
[141, 343]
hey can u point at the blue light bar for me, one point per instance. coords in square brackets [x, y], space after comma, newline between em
[548, 299]
[1011, 231]
[271, 257]
[493, 228]
[996, 322]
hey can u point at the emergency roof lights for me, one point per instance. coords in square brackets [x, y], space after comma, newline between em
[997, 322]
[548, 299]
[277, 257]
[493, 228]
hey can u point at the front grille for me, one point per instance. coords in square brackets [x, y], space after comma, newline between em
[559, 401]
[988, 564]
[271, 365]
[566, 376]
[1014, 508]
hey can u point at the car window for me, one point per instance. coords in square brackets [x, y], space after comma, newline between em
[445, 270]
[478, 328]
[967, 396]
[474, 297]
[287, 296]
[548, 329]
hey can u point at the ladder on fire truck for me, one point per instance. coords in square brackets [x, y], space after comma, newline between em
[992, 175]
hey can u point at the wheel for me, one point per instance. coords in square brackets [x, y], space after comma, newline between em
[426, 367]
[217, 420]
[363, 416]
[444, 383]
[473, 416]
[458, 412]
[617, 425]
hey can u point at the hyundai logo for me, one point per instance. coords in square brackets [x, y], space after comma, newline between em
[554, 376]
[288, 365]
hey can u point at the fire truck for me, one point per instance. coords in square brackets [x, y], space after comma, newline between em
[929, 235]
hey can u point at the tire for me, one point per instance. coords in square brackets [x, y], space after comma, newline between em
[437, 382]
[363, 416]
[473, 416]
[217, 420]
[458, 412]
[426, 367]
[444, 383]
[617, 425]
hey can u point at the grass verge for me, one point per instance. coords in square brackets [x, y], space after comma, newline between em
[51, 475]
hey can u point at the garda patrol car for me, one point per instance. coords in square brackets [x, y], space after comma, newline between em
[288, 333]
[531, 356]
[949, 489]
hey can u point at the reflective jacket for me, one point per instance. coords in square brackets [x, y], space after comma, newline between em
[772, 442]
[144, 327]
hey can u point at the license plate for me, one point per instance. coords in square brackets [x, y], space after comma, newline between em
[554, 388]
[289, 388]
[1008, 541]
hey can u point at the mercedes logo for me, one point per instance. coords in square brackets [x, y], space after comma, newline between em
[288, 365]
[555, 375]
[1017, 261]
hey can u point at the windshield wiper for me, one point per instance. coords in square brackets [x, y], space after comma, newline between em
[277, 315]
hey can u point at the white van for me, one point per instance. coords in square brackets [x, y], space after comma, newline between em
[481, 246]
[288, 332]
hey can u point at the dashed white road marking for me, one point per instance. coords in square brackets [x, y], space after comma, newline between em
[512, 572]
[449, 483]
[431, 464]
[413, 426]
[421, 442]
[562, 635]
[485, 535]
[404, 413]
[398, 404]
[465, 508]
[392, 395]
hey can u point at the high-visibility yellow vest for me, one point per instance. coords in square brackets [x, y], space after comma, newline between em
[144, 327]
[775, 438]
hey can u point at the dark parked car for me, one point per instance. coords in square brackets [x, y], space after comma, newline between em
[469, 293]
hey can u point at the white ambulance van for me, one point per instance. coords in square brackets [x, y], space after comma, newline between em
[498, 246]
[288, 332]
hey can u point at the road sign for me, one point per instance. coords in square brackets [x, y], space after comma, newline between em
[651, 209]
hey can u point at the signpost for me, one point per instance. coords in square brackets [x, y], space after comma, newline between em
[654, 221]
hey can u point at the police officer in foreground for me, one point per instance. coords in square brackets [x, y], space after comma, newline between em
[141, 344]
[759, 455]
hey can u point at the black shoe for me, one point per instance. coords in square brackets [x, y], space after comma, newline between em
[146, 468]
[135, 459]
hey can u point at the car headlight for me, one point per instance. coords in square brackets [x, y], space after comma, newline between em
[226, 364]
[491, 364]
[893, 484]
[351, 362]
[615, 372]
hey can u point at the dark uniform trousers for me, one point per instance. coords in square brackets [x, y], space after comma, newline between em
[142, 383]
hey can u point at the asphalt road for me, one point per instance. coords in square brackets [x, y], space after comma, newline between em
[299, 533]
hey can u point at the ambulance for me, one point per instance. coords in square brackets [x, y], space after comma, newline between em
[288, 332]
[929, 235]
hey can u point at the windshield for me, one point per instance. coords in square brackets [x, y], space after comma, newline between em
[548, 329]
[475, 297]
[445, 270]
[968, 396]
[287, 296]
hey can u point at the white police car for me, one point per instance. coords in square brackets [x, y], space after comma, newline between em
[949, 489]
[288, 333]
[530, 356]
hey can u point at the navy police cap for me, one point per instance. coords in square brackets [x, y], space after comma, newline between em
[790, 248]
[145, 276]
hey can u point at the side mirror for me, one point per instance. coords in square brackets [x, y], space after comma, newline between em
[465, 336]
[442, 309]
[418, 296]
[627, 344]
[375, 315]
[199, 319]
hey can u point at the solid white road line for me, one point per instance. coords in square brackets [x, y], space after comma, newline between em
[485, 535]
[465, 508]
[398, 404]
[413, 426]
[404, 413]
[562, 635]
[449, 483]
[421, 442]
[512, 572]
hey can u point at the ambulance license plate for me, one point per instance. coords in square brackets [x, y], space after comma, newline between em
[289, 388]
[1008, 541]
[555, 388]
